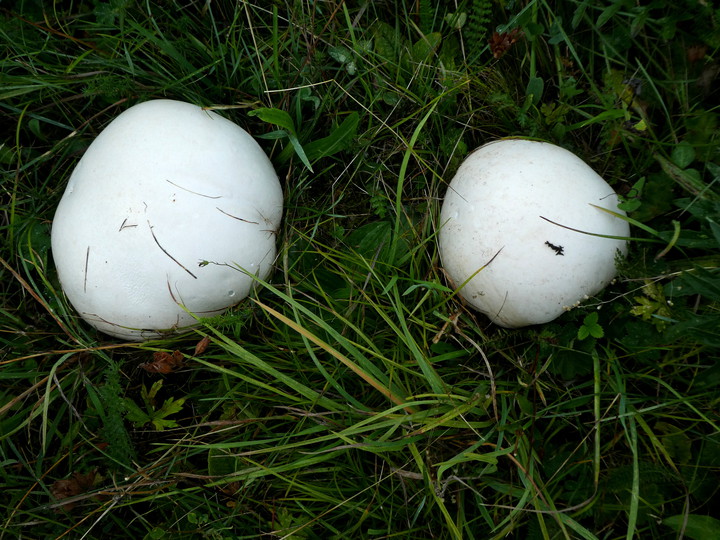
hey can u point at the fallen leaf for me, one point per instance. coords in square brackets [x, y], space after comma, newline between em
[501, 43]
[77, 484]
[202, 345]
[164, 362]
[696, 53]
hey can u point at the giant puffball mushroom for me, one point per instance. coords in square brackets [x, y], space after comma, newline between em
[167, 217]
[517, 231]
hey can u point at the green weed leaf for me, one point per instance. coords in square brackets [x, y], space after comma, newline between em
[696, 527]
[386, 40]
[688, 179]
[715, 228]
[533, 30]
[425, 47]
[456, 19]
[281, 118]
[135, 414]
[534, 89]
[633, 199]
[276, 117]
[339, 139]
[341, 54]
[161, 423]
[590, 327]
[683, 154]
[344, 56]
[653, 306]
[608, 13]
[156, 417]
[676, 443]
[148, 396]
[171, 406]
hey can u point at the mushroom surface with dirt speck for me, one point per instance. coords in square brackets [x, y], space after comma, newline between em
[167, 217]
[524, 231]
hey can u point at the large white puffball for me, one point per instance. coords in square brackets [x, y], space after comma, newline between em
[166, 217]
[514, 227]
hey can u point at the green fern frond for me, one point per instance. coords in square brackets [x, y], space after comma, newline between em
[476, 28]
[425, 16]
[120, 447]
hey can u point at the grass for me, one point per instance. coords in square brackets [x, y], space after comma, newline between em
[355, 396]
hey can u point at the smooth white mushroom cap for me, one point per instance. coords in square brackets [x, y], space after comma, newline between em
[168, 211]
[497, 231]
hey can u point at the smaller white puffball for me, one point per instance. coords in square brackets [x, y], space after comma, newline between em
[166, 217]
[513, 231]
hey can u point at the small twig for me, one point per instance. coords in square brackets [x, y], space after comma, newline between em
[166, 253]
[235, 217]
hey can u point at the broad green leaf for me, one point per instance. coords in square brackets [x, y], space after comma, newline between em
[533, 30]
[135, 414]
[154, 389]
[535, 89]
[161, 423]
[557, 34]
[715, 228]
[632, 200]
[590, 327]
[425, 47]
[596, 331]
[157, 533]
[697, 527]
[341, 54]
[274, 135]
[579, 14]
[345, 56]
[456, 20]
[171, 406]
[276, 117]
[689, 179]
[638, 21]
[148, 396]
[683, 154]
[714, 169]
[306, 94]
[373, 242]
[386, 40]
[676, 443]
[340, 139]
[609, 12]
[36, 128]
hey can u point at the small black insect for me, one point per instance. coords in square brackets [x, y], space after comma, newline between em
[559, 250]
